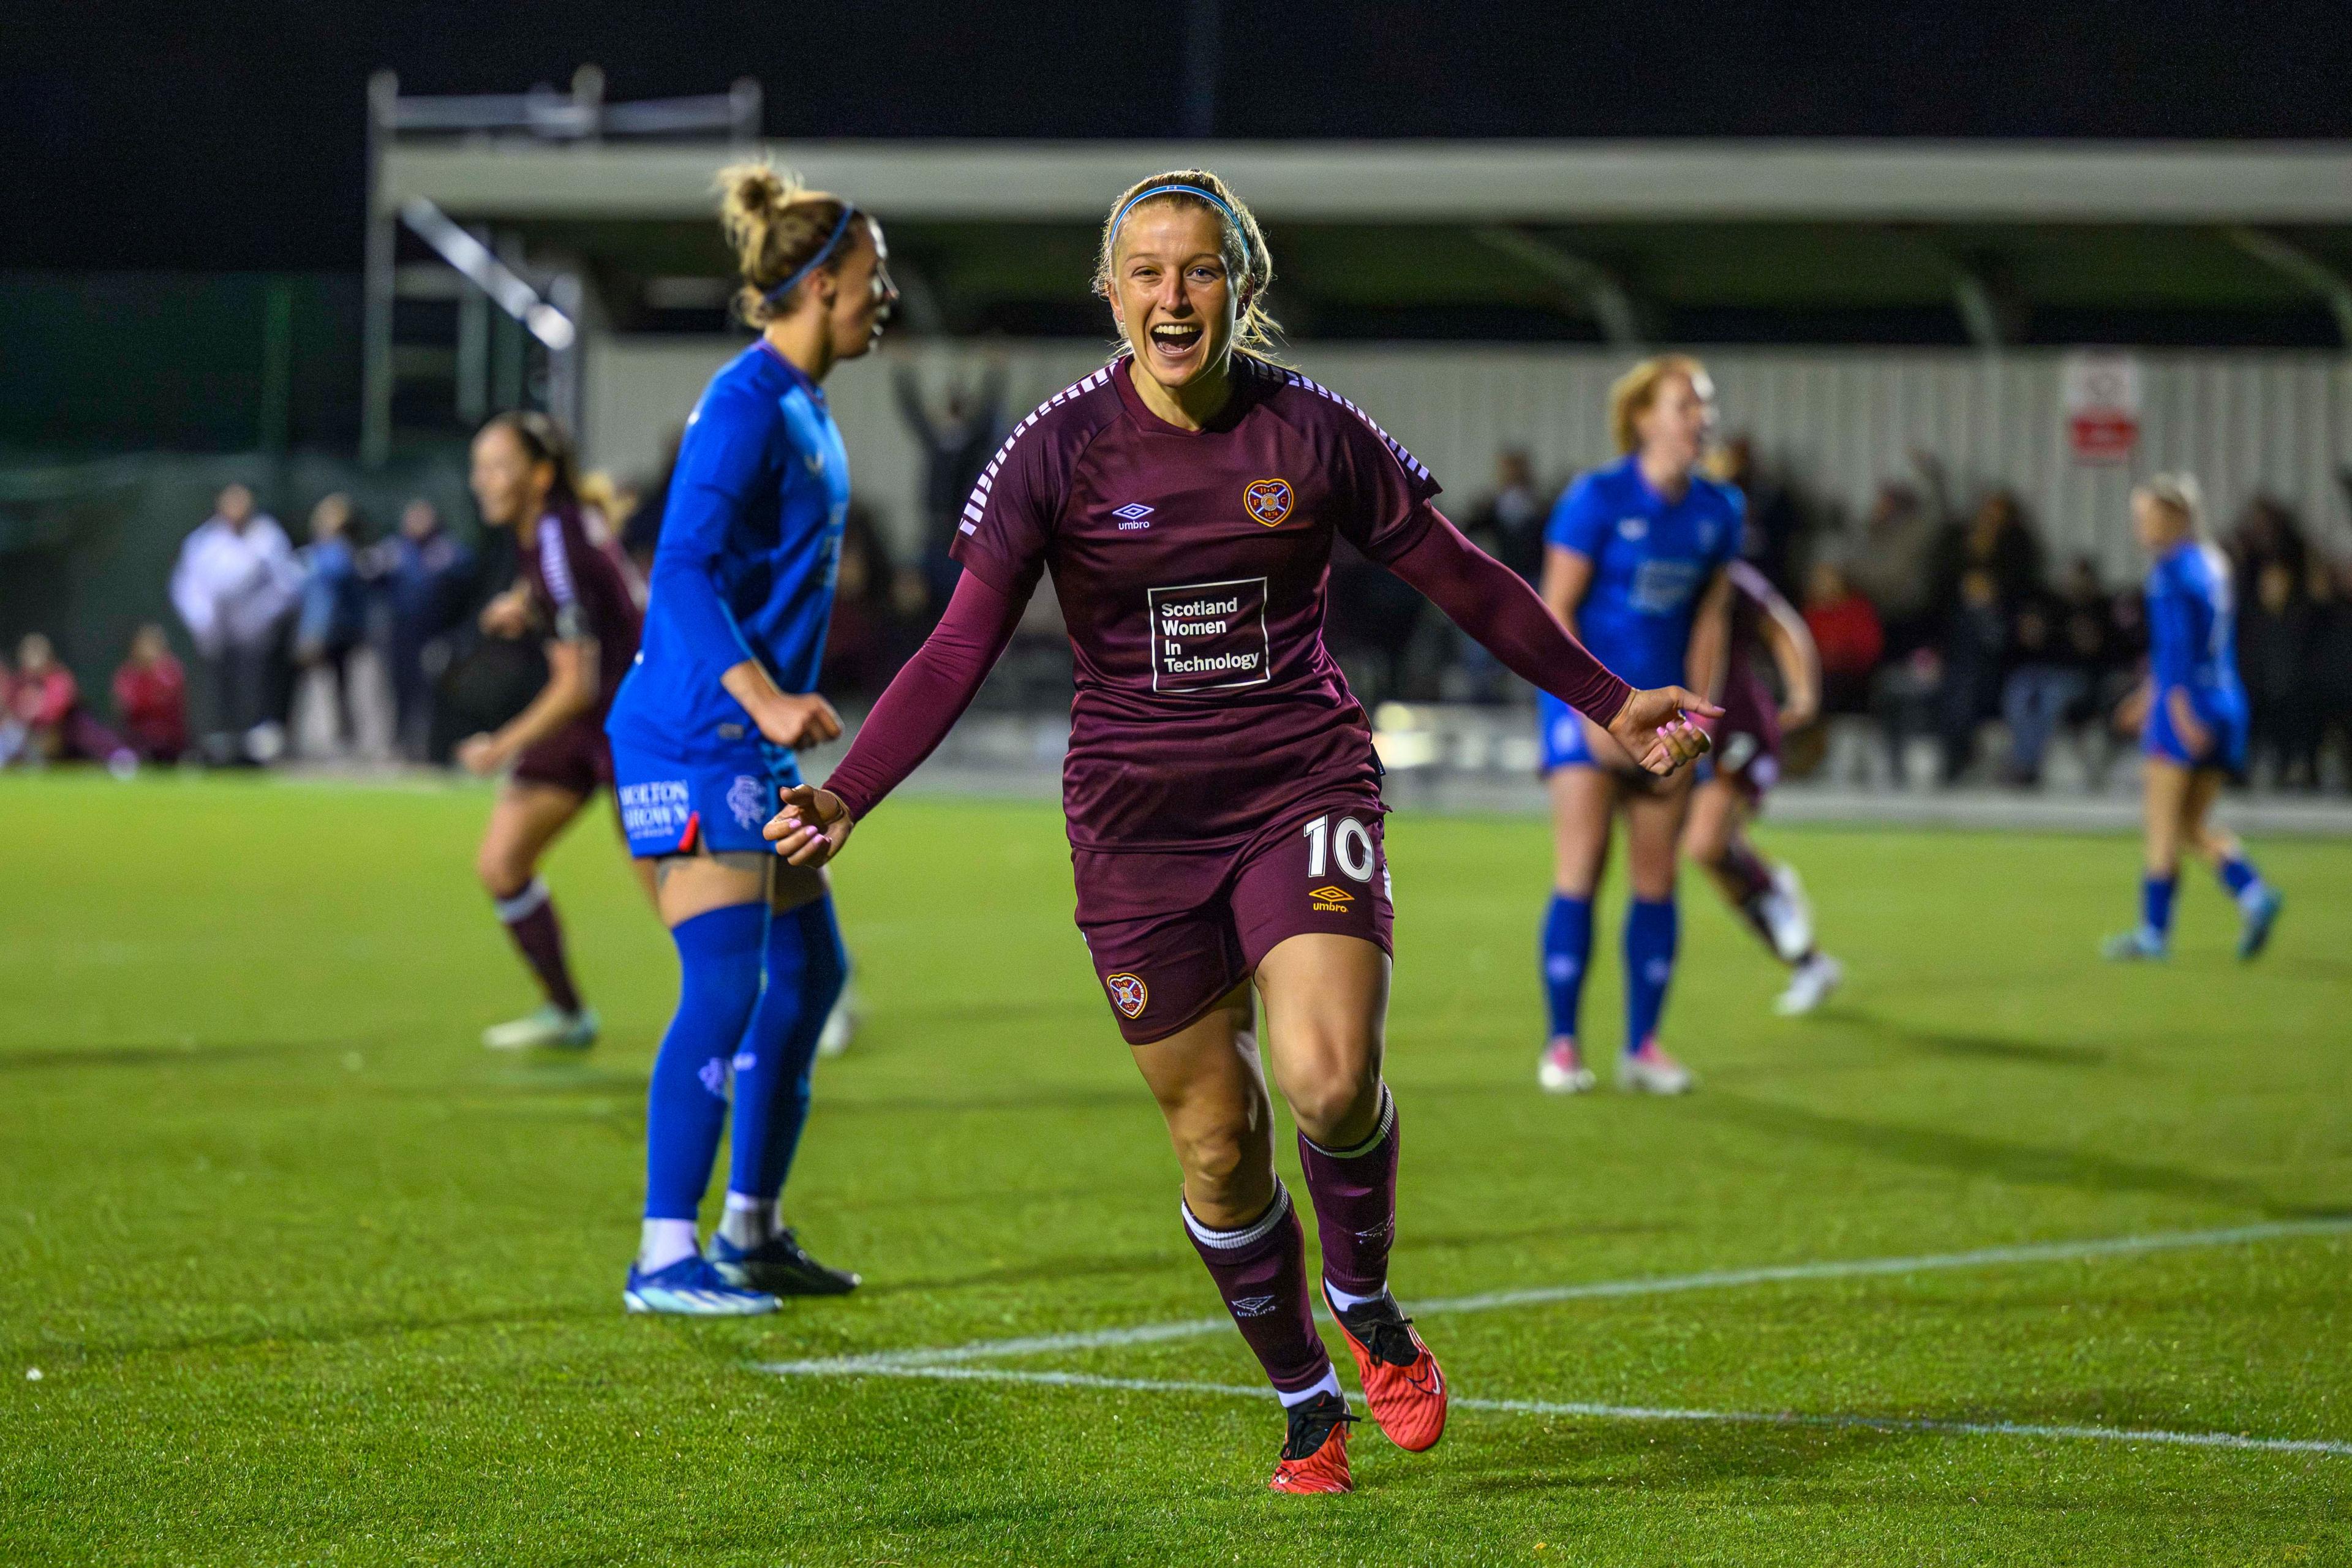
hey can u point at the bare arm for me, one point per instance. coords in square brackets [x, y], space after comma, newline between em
[785, 718]
[1567, 578]
[1790, 642]
[571, 692]
[1708, 659]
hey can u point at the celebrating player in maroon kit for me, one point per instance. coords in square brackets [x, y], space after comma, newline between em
[1222, 799]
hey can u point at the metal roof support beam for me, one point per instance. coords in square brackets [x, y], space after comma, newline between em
[1602, 294]
[2318, 276]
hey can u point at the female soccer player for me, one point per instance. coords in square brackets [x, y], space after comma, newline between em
[578, 594]
[2192, 713]
[1634, 563]
[1761, 890]
[703, 736]
[1223, 805]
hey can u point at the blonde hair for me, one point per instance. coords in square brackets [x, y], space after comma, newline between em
[1631, 396]
[1248, 263]
[775, 225]
[2180, 494]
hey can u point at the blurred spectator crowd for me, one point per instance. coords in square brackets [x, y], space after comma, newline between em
[1952, 648]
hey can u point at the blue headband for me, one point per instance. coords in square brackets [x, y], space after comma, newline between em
[1210, 197]
[814, 262]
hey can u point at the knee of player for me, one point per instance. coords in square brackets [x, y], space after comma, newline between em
[1217, 1155]
[502, 872]
[1331, 1104]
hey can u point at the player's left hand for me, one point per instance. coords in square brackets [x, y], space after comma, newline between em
[2195, 736]
[812, 828]
[478, 754]
[1658, 728]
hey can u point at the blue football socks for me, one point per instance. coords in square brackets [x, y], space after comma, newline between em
[686, 1104]
[1651, 930]
[1567, 954]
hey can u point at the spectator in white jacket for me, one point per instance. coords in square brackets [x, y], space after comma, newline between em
[235, 583]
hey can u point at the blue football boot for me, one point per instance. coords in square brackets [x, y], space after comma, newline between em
[780, 1266]
[2254, 930]
[691, 1288]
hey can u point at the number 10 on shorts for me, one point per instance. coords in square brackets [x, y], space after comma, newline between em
[1348, 846]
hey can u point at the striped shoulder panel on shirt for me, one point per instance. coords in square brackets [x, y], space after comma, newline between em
[1748, 579]
[555, 564]
[975, 506]
[1410, 464]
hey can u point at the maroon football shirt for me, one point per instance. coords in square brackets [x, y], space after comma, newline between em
[1191, 569]
[583, 586]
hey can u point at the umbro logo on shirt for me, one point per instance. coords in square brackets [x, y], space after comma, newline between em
[1132, 516]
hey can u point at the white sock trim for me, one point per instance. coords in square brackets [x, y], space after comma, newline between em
[1256, 1231]
[663, 1242]
[1379, 1131]
[523, 904]
[1330, 1385]
[737, 1201]
[1347, 1303]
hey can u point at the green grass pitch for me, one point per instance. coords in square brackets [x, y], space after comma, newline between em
[310, 1278]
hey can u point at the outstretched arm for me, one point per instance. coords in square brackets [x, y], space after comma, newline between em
[907, 725]
[1488, 601]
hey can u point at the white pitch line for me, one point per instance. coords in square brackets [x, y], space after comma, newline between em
[1890, 1423]
[1716, 1280]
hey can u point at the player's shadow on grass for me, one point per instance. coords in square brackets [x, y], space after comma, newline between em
[1878, 1029]
[73, 1059]
[311, 1335]
[1030, 1270]
[2020, 1164]
[1530, 1455]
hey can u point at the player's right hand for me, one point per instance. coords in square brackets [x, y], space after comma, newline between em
[798, 722]
[811, 828]
[1657, 728]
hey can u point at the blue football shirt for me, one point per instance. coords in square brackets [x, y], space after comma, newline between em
[750, 547]
[1652, 559]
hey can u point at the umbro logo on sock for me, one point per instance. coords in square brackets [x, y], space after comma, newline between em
[1252, 1306]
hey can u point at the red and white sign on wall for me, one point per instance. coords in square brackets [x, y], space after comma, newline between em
[2101, 391]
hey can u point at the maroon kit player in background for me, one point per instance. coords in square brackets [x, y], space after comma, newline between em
[1761, 890]
[1223, 800]
[576, 590]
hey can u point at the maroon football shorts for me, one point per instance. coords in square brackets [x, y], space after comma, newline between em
[1171, 933]
[576, 758]
[1748, 741]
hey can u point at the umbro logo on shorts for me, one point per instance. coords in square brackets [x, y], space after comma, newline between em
[1331, 897]
[1128, 993]
[1252, 1306]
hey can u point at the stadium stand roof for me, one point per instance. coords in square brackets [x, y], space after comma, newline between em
[1624, 242]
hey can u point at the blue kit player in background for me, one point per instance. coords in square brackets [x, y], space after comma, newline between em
[1634, 563]
[2192, 717]
[703, 736]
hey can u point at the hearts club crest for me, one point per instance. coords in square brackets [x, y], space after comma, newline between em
[1266, 501]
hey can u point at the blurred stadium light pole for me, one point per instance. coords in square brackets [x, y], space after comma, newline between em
[1201, 69]
[486, 360]
[2306, 269]
[1600, 292]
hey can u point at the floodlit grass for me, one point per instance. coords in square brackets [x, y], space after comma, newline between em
[310, 1278]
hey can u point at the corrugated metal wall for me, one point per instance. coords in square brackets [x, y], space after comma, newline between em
[1839, 422]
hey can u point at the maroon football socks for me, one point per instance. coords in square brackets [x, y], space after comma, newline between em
[1261, 1271]
[1355, 1205]
[530, 918]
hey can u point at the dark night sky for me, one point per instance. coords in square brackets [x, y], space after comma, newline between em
[229, 136]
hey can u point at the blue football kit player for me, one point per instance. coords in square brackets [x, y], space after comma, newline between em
[1635, 565]
[704, 731]
[2192, 717]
